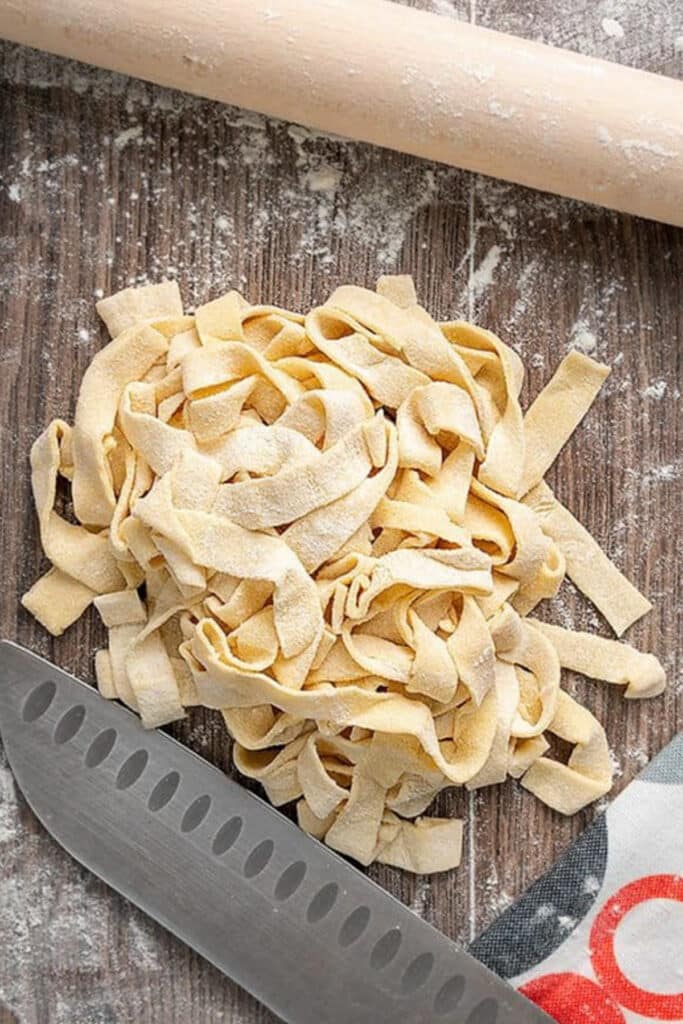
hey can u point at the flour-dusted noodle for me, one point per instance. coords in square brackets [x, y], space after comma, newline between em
[613, 662]
[331, 528]
[556, 413]
[56, 600]
[134, 306]
[587, 565]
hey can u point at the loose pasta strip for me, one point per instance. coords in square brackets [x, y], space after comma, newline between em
[587, 565]
[57, 600]
[556, 413]
[314, 525]
[609, 660]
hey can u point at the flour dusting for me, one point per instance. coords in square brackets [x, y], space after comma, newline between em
[612, 28]
[128, 135]
[144, 942]
[9, 812]
[632, 147]
[582, 338]
[482, 278]
[657, 390]
[496, 897]
[421, 895]
[616, 763]
[638, 756]
[566, 922]
[663, 474]
[306, 169]
[591, 885]
[323, 179]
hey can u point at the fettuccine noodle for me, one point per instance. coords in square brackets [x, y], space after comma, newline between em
[332, 529]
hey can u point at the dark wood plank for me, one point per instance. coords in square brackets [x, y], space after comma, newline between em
[104, 182]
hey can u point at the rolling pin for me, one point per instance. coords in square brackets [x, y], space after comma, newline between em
[397, 77]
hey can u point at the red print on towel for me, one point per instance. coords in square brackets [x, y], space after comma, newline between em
[571, 999]
[653, 1005]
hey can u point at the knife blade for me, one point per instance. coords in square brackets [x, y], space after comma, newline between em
[289, 920]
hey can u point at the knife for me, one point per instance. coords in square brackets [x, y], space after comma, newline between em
[288, 919]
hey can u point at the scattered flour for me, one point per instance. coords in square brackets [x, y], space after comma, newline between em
[144, 942]
[591, 885]
[421, 895]
[566, 923]
[612, 28]
[633, 147]
[527, 280]
[582, 338]
[545, 911]
[14, 192]
[323, 179]
[657, 390]
[448, 9]
[678, 44]
[639, 757]
[9, 811]
[616, 764]
[482, 278]
[663, 474]
[495, 898]
[498, 110]
[128, 135]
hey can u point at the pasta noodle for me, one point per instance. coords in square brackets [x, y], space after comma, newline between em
[331, 528]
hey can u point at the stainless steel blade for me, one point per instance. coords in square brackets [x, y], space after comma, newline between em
[305, 932]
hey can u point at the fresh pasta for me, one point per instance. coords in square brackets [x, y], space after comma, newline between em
[333, 529]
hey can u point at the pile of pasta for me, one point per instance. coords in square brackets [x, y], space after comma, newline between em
[333, 529]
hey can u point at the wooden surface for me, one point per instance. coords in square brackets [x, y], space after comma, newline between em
[104, 182]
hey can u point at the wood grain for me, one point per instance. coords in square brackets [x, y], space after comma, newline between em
[107, 181]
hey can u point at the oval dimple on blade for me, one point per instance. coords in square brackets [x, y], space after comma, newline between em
[100, 748]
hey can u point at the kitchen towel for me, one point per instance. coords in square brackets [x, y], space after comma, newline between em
[599, 938]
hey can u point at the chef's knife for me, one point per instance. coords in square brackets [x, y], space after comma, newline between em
[305, 932]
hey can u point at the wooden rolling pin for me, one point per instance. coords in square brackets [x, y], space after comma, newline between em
[397, 77]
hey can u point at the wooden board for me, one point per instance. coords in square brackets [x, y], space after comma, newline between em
[104, 182]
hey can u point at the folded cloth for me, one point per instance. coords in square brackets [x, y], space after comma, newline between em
[599, 938]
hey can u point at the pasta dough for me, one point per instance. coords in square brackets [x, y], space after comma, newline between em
[331, 528]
